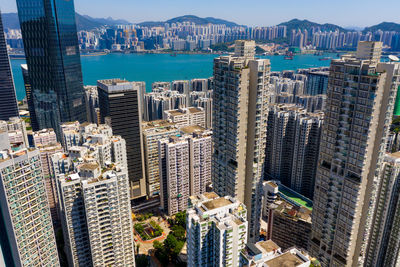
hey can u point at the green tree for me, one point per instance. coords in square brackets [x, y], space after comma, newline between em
[180, 219]
[179, 232]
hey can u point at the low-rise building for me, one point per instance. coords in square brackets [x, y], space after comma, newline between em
[288, 216]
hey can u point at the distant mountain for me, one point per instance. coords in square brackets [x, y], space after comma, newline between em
[108, 21]
[10, 20]
[295, 24]
[83, 22]
[384, 26]
[190, 18]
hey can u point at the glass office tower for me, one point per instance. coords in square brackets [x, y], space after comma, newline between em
[53, 59]
[8, 99]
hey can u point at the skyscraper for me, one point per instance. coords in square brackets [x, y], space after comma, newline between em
[93, 190]
[53, 58]
[25, 223]
[292, 147]
[361, 94]
[384, 243]
[8, 99]
[239, 117]
[120, 108]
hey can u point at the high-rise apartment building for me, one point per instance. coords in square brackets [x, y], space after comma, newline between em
[184, 166]
[93, 191]
[8, 99]
[361, 95]
[384, 242]
[240, 105]
[53, 58]
[153, 132]
[216, 230]
[291, 154]
[46, 141]
[160, 100]
[27, 232]
[120, 108]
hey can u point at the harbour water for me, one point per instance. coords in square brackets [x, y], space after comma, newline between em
[160, 67]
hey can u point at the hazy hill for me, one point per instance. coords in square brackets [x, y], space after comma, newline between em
[384, 26]
[83, 22]
[190, 18]
[295, 24]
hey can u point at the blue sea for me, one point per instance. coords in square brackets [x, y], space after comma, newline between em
[160, 67]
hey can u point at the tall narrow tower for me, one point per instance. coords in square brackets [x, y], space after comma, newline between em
[240, 107]
[361, 94]
[52, 55]
[8, 99]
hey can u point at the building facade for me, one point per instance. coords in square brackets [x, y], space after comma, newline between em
[216, 230]
[8, 100]
[53, 58]
[153, 132]
[28, 237]
[240, 105]
[120, 108]
[361, 94]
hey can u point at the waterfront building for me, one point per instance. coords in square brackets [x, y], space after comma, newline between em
[317, 83]
[240, 103]
[291, 154]
[153, 132]
[216, 230]
[199, 85]
[288, 216]
[161, 100]
[164, 85]
[361, 95]
[384, 244]
[8, 100]
[46, 141]
[27, 232]
[53, 60]
[92, 104]
[206, 104]
[120, 108]
[183, 87]
[269, 254]
[186, 116]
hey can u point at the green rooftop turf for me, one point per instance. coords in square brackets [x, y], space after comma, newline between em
[296, 198]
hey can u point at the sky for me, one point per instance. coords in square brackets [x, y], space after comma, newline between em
[359, 13]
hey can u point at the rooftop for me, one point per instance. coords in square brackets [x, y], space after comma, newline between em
[194, 110]
[156, 124]
[211, 195]
[269, 245]
[285, 260]
[112, 81]
[217, 203]
[192, 129]
[296, 198]
[175, 112]
[89, 166]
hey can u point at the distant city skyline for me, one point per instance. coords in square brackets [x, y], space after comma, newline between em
[356, 13]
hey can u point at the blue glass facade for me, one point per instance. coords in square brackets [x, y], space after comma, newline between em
[53, 59]
[8, 99]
